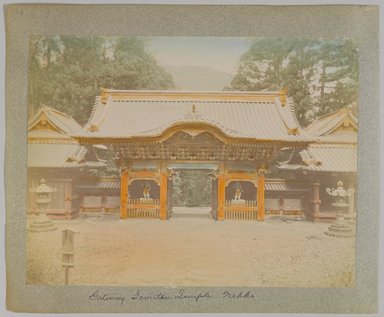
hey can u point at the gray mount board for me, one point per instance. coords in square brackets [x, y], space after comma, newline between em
[357, 22]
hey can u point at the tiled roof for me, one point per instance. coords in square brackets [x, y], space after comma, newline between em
[330, 158]
[236, 114]
[50, 143]
[340, 158]
[113, 183]
[339, 137]
[61, 121]
[282, 185]
[56, 155]
[335, 149]
[337, 126]
[108, 183]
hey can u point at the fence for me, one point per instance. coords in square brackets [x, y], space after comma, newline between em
[143, 208]
[240, 209]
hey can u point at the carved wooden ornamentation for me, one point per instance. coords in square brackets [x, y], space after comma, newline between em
[144, 175]
[241, 176]
[204, 146]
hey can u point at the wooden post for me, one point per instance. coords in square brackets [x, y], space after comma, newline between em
[68, 199]
[221, 192]
[163, 192]
[68, 252]
[123, 193]
[316, 200]
[281, 206]
[261, 194]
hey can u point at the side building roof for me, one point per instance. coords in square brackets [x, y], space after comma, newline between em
[340, 126]
[335, 149]
[49, 123]
[50, 143]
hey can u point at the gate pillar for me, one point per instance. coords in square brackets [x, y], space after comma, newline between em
[261, 194]
[163, 192]
[221, 192]
[123, 193]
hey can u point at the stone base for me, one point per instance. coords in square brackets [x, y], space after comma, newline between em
[42, 225]
[341, 228]
[146, 200]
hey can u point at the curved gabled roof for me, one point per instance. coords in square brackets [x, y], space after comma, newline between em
[53, 124]
[50, 143]
[337, 126]
[267, 116]
[335, 149]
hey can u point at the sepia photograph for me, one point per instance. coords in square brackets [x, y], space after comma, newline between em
[192, 158]
[192, 161]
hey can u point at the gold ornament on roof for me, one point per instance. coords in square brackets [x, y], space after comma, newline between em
[283, 96]
[193, 114]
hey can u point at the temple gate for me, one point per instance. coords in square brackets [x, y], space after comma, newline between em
[151, 132]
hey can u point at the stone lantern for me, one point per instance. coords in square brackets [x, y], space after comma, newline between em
[41, 222]
[341, 227]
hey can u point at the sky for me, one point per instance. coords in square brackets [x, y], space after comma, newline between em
[221, 53]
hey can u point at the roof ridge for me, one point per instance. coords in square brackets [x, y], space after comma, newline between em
[78, 154]
[57, 111]
[325, 124]
[319, 121]
[194, 101]
[329, 114]
[291, 106]
[66, 126]
[285, 113]
[105, 94]
[56, 118]
[93, 113]
[32, 121]
[44, 110]
[226, 92]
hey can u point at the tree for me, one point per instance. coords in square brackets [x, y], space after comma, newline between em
[192, 188]
[299, 74]
[67, 72]
[43, 52]
[261, 67]
[338, 83]
[320, 75]
[140, 67]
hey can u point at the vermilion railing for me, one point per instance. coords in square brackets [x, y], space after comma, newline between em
[143, 208]
[240, 209]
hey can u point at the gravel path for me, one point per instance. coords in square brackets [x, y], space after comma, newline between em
[191, 249]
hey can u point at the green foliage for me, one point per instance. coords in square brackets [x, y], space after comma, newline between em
[67, 72]
[192, 188]
[321, 75]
